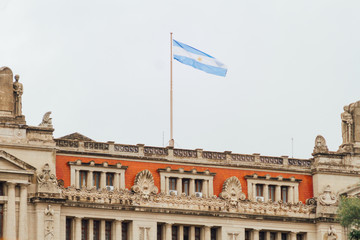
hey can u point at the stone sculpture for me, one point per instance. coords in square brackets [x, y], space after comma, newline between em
[18, 91]
[320, 145]
[49, 223]
[46, 121]
[144, 184]
[346, 125]
[232, 191]
[47, 183]
[331, 234]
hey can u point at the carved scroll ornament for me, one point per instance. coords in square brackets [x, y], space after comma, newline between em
[232, 191]
[144, 184]
[327, 197]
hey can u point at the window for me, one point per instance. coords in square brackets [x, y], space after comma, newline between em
[272, 193]
[247, 235]
[186, 233]
[83, 178]
[185, 186]
[283, 236]
[198, 185]
[96, 179]
[300, 237]
[2, 189]
[109, 179]
[68, 228]
[172, 183]
[96, 230]
[124, 230]
[1, 221]
[261, 235]
[108, 230]
[272, 236]
[213, 233]
[174, 233]
[197, 233]
[284, 194]
[84, 229]
[259, 190]
[159, 232]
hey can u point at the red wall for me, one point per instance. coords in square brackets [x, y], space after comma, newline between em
[63, 172]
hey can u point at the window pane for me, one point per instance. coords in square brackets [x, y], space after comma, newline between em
[197, 233]
[272, 193]
[174, 232]
[259, 190]
[198, 185]
[108, 230]
[186, 233]
[124, 231]
[213, 233]
[96, 179]
[172, 183]
[84, 229]
[83, 178]
[96, 230]
[68, 228]
[185, 186]
[109, 179]
[284, 194]
[159, 232]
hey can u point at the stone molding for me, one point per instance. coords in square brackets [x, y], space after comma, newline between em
[144, 184]
[327, 198]
[232, 191]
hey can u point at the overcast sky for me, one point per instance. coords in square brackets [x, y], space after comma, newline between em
[102, 68]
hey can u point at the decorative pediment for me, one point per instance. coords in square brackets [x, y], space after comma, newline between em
[144, 184]
[351, 191]
[10, 162]
[232, 190]
[76, 137]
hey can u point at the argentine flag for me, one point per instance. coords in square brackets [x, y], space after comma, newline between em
[198, 59]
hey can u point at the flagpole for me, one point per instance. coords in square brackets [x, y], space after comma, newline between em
[171, 142]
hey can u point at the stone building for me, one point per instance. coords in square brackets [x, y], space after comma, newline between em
[76, 188]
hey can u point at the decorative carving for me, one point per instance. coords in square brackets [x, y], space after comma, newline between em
[49, 223]
[46, 121]
[18, 91]
[185, 153]
[96, 145]
[214, 155]
[47, 183]
[144, 184]
[155, 151]
[144, 233]
[242, 158]
[320, 145]
[232, 191]
[298, 162]
[126, 148]
[331, 234]
[271, 160]
[346, 125]
[327, 197]
[66, 143]
[311, 201]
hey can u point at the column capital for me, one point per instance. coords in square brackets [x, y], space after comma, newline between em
[24, 185]
[257, 230]
[169, 224]
[119, 219]
[10, 184]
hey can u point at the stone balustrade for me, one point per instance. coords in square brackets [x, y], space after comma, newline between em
[183, 155]
[192, 203]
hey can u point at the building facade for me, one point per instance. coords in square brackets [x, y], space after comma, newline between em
[75, 188]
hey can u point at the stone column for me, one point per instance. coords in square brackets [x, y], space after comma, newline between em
[192, 232]
[168, 231]
[256, 234]
[254, 191]
[11, 216]
[77, 179]
[211, 187]
[278, 193]
[91, 229]
[179, 186]
[207, 232]
[118, 229]
[167, 185]
[296, 194]
[181, 232]
[23, 220]
[192, 187]
[102, 229]
[77, 228]
[278, 236]
[205, 188]
[267, 235]
[293, 236]
[266, 192]
[291, 194]
[122, 181]
[117, 180]
[103, 179]
[90, 178]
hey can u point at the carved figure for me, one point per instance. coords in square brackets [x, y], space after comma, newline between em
[327, 197]
[18, 91]
[346, 125]
[232, 191]
[46, 121]
[144, 184]
[47, 182]
[320, 145]
[49, 223]
[331, 234]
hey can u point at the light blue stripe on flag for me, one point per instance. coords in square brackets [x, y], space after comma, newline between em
[198, 59]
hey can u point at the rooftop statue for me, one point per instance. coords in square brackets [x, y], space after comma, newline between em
[18, 91]
[350, 127]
